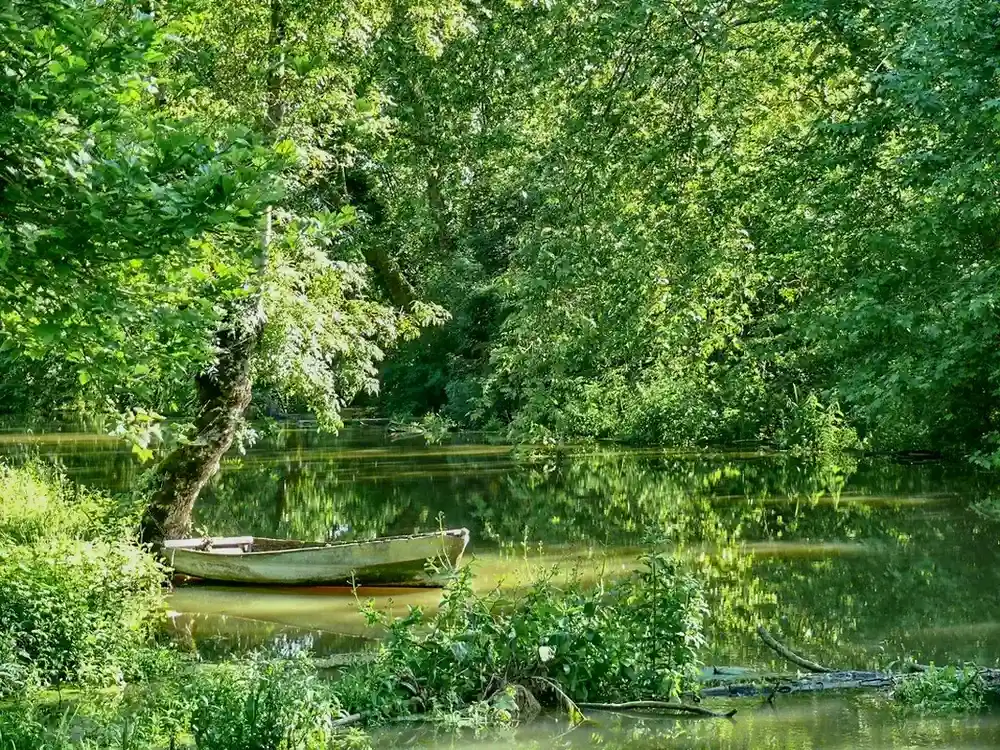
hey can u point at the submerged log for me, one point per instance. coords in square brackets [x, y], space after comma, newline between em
[660, 706]
[821, 678]
[846, 680]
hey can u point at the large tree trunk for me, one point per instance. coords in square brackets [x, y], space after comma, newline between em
[390, 276]
[225, 392]
[225, 396]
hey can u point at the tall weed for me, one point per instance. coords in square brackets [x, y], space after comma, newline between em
[262, 704]
[77, 612]
[943, 690]
[38, 502]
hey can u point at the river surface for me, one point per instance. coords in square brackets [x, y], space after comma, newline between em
[857, 563]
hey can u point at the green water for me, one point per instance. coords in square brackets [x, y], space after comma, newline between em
[856, 563]
[804, 723]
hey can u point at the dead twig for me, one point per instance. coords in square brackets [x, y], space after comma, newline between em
[571, 706]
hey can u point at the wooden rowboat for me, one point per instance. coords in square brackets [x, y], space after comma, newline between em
[389, 561]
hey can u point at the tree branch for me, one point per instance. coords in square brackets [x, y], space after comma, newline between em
[788, 654]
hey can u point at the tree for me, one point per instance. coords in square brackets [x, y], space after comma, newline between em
[120, 224]
[659, 222]
[149, 233]
[739, 221]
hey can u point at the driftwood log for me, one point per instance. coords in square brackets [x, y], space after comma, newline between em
[846, 680]
[668, 706]
[818, 678]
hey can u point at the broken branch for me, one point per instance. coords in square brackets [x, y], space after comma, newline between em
[788, 654]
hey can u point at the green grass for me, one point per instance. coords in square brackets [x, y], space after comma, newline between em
[38, 502]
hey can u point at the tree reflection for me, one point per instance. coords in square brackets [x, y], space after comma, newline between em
[848, 560]
[851, 561]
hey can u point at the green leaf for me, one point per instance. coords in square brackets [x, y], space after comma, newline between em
[285, 148]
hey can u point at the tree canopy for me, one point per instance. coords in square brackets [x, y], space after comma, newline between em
[680, 222]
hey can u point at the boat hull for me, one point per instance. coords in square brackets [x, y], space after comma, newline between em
[399, 561]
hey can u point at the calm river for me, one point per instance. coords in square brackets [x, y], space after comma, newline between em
[855, 563]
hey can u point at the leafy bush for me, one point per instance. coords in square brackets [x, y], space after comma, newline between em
[262, 704]
[15, 675]
[810, 427]
[257, 703]
[637, 638]
[77, 601]
[38, 502]
[432, 427]
[77, 611]
[104, 720]
[944, 689]
[21, 728]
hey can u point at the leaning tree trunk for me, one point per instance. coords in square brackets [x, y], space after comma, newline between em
[389, 276]
[225, 392]
[224, 396]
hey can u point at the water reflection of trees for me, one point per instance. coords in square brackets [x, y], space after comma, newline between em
[903, 557]
[906, 566]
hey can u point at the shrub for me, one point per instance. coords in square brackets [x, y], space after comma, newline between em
[21, 728]
[809, 427]
[15, 675]
[77, 600]
[636, 639]
[104, 720]
[75, 611]
[37, 502]
[262, 704]
[943, 690]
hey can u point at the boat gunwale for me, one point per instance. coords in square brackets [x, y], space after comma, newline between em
[462, 533]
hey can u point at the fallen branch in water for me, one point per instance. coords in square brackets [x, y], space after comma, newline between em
[347, 721]
[788, 654]
[659, 706]
[769, 686]
[846, 680]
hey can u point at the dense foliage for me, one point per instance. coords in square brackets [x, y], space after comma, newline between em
[679, 222]
[155, 206]
[78, 599]
[76, 612]
[705, 221]
[638, 638]
[37, 503]
[118, 221]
